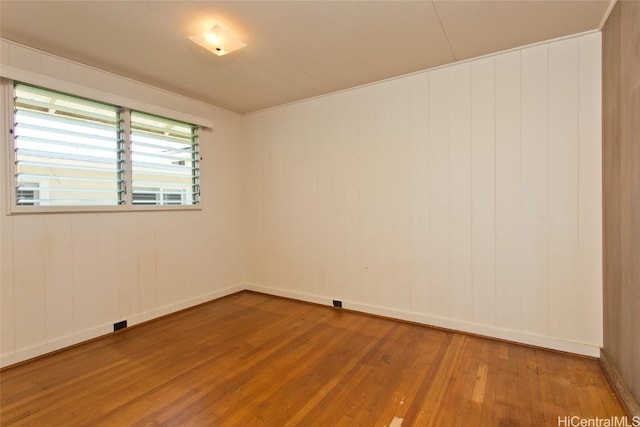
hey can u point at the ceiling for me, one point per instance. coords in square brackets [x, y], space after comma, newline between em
[296, 49]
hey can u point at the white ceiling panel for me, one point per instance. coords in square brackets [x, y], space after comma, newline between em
[296, 49]
[476, 28]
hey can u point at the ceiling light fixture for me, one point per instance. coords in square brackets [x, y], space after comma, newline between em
[218, 40]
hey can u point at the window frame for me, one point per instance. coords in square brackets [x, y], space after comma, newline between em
[7, 89]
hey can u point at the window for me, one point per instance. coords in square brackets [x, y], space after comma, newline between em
[158, 196]
[70, 151]
[72, 144]
[164, 154]
[27, 194]
[145, 196]
[172, 197]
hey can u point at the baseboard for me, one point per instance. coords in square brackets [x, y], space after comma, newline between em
[430, 320]
[104, 329]
[623, 392]
[53, 345]
[490, 331]
[181, 305]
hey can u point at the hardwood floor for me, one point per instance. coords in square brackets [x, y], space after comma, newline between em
[251, 359]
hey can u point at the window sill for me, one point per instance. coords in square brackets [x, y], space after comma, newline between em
[38, 210]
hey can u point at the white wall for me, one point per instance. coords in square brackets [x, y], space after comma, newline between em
[68, 277]
[467, 197]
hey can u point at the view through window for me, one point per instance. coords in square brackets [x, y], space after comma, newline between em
[71, 151]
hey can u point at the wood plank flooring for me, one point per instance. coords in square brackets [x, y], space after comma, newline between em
[256, 360]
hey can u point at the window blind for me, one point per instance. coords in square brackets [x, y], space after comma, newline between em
[164, 161]
[70, 149]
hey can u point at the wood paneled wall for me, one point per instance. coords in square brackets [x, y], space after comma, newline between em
[466, 196]
[68, 277]
[621, 176]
